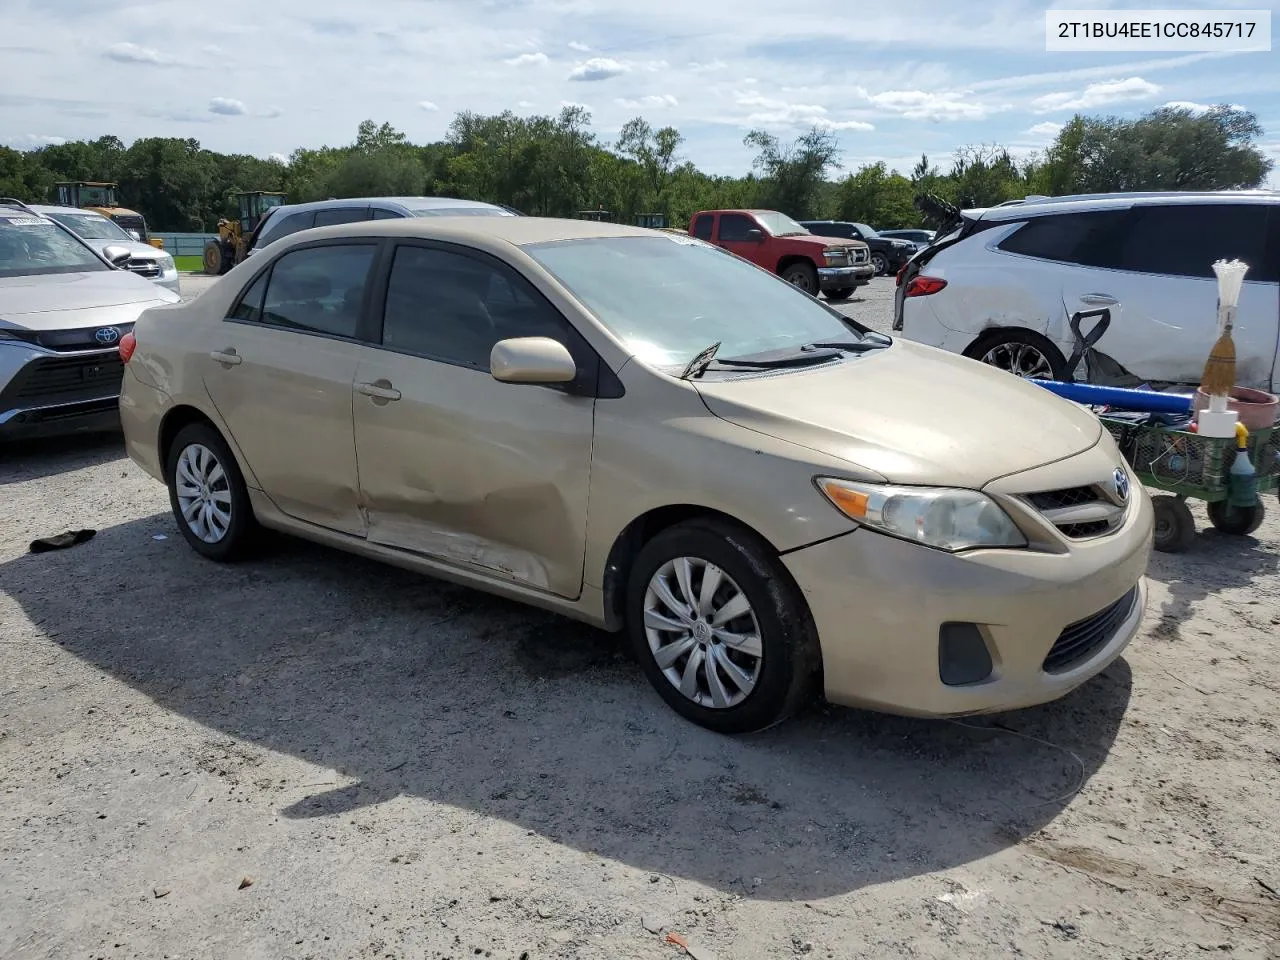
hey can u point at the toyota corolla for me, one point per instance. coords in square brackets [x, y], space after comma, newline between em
[639, 430]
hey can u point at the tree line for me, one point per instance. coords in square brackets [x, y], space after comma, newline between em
[557, 166]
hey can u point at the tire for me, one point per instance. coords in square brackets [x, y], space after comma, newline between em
[214, 261]
[772, 685]
[1235, 521]
[1175, 527]
[802, 275]
[844, 293]
[881, 263]
[226, 534]
[1021, 352]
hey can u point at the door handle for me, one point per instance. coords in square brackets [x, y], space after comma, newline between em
[379, 390]
[1099, 299]
[227, 356]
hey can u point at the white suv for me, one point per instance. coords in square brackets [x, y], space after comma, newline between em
[1003, 287]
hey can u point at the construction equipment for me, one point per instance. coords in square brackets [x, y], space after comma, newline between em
[599, 215]
[654, 221]
[235, 236]
[101, 198]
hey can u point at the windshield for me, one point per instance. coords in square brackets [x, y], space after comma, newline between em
[91, 227]
[779, 224]
[668, 297]
[867, 232]
[462, 212]
[34, 245]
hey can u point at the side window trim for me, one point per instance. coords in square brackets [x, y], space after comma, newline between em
[595, 378]
[365, 327]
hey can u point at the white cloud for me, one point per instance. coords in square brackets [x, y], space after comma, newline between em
[1198, 108]
[272, 112]
[657, 100]
[713, 66]
[538, 59]
[1048, 130]
[132, 53]
[227, 107]
[580, 47]
[598, 68]
[924, 105]
[278, 157]
[524, 104]
[428, 106]
[29, 141]
[574, 103]
[1097, 95]
[771, 113]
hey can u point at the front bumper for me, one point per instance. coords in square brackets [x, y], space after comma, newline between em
[838, 278]
[879, 604]
[49, 393]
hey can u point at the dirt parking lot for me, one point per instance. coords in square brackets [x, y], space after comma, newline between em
[311, 756]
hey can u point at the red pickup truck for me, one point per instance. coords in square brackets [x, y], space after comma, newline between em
[777, 243]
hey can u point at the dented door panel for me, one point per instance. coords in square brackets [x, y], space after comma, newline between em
[475, 472]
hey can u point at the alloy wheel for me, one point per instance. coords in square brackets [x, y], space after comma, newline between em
[702, 632]
[204, 493]
[1020, 359]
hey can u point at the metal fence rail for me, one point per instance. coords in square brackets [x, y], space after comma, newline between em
[185, 244]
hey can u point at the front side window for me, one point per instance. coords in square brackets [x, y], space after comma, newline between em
[382, 213]
[1083, 238]
[668, 297]
[453, 307]
[734, 227]
[327, 218]
[319, 289]
[91, 227]
[31, 246]
[290, 224]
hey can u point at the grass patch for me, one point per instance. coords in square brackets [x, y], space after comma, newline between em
[190, 264]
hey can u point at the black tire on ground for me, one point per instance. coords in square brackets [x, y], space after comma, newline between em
[1235, 521]
[214, 261]
[881, 263]
[242, 532]
[1175, 527]
[802, 275]
[844, 293]
[790, 659]
[1026, 349]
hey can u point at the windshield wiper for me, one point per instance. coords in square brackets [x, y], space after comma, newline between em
[701, 360]
[849, 346]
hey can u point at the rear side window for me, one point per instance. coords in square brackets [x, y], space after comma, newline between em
[1081, 238]
[319, 289]
[702, 226]
[327, 218]
[734, 226]
[1184, 240]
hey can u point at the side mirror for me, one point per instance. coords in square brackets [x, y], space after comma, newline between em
[755, 236]
[532, 360]
[117, 255]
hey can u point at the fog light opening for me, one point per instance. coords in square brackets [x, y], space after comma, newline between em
[963, 657]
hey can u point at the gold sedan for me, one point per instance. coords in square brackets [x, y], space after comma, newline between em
[641, 431]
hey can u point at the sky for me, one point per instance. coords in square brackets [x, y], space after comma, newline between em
[892, 81]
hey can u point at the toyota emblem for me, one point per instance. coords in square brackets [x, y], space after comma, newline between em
[107, 336]
[1121, 481]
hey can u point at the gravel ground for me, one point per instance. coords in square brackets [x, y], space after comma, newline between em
[310, 756]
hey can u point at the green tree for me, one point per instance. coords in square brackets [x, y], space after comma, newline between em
[792, 174]
[878, 197]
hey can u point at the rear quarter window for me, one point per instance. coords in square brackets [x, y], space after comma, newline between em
[702, 224]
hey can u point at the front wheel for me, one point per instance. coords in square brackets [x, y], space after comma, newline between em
[881, 263]
[1235, 521]
[804, 276]
[719, 629]
[844, 293]
[208, 494]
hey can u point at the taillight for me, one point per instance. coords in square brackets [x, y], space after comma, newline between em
[127, 345]
[924, 286]
[897, 280]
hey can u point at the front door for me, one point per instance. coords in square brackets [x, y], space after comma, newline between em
[280, 373]
[732, 236]
[454, 464]
[1154, 273]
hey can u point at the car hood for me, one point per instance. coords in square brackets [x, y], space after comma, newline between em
[65, 300]
[822, 241]
[912, 415]
[140, 251]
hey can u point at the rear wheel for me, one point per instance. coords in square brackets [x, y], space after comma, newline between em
[844, 293]
[1235, 521]
[208, 494]
[719, 629]
[802, 275]
[1021, 352]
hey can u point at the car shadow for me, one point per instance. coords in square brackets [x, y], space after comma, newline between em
[26, 460]
[405, 686]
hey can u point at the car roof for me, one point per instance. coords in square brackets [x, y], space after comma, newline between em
[1079, 203]
[516, 231]
[49, 209]
[409, 203]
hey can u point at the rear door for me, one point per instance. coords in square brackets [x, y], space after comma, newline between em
[1154, 272]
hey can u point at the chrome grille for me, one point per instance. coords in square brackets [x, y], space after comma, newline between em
[859, 254]
[1079, 513]
[145, 267]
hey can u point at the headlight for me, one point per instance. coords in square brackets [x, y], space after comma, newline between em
[940, 517]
